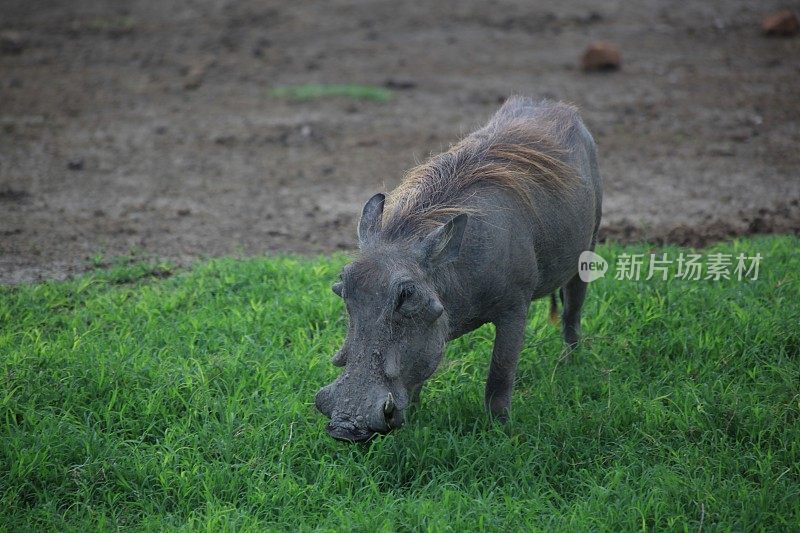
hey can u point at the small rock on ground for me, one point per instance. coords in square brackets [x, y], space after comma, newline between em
[11, 42]
[783, 23]
[601, 55]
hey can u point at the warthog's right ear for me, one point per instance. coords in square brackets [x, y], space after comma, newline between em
[370, 222]
[443, 244]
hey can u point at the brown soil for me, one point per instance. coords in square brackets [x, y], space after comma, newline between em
[148, 126]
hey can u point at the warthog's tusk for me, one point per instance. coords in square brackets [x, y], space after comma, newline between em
[388, 407]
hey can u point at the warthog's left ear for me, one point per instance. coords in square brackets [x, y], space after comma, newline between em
[371, 216]
[443, 244]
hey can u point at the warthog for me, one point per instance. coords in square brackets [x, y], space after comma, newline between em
[469, 237]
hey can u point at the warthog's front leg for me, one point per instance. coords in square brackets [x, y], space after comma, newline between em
[509, 333]
[415, 394]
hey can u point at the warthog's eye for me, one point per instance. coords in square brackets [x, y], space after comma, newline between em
[407, 305]
[412, 302]
[405, 294]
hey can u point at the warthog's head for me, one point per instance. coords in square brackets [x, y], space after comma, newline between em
[397, 327]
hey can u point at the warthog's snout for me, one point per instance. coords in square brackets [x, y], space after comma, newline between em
[348, 431]
[361, 422]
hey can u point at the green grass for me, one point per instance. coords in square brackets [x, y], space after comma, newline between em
[133, 401]
[315, 91]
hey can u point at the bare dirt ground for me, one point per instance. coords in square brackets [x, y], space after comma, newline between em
[148, 126]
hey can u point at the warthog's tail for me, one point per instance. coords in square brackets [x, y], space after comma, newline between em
[553, 309]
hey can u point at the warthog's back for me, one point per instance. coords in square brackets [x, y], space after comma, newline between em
[529, 181]
[525, 150]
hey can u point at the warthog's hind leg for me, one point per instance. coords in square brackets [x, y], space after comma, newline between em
[573, 294]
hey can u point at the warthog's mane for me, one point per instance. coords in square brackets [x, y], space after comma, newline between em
[521, 150]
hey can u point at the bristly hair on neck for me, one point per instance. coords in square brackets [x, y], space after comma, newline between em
[521, 150]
